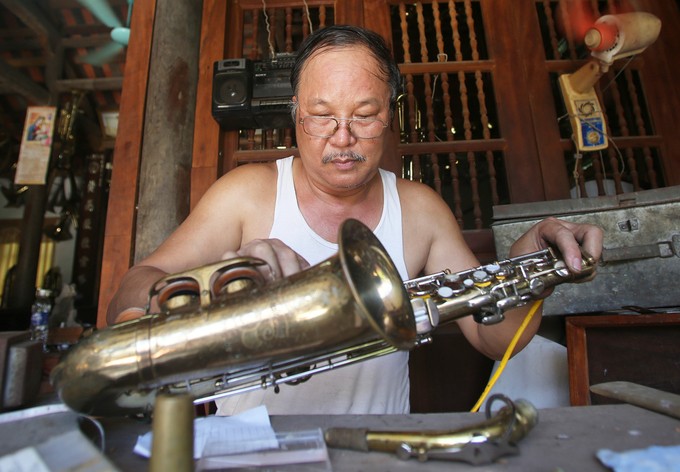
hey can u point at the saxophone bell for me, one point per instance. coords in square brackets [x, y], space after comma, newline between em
[210, 340]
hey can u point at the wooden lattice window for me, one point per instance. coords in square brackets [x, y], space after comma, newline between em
[448, 102]
[481, 118]
[270, 31]
[449, 128]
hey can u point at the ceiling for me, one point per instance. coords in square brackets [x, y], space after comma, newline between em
[43, 48]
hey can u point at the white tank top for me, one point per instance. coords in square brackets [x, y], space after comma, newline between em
[377, 386]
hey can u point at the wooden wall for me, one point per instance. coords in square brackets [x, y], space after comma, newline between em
[531, 143]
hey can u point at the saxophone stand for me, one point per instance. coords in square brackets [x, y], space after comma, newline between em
[172, 428]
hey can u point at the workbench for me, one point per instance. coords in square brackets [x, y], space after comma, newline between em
[565, 439]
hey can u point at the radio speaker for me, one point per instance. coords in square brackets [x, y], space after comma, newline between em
[232, 93]
[253, 94]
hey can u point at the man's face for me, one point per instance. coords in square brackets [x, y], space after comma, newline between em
[342, 83]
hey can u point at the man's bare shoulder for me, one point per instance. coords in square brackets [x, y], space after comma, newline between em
[238, 192]
[255, 175]
[414, 195]
[248, 183]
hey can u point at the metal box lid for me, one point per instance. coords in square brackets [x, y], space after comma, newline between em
[641, 242]
[584, 205]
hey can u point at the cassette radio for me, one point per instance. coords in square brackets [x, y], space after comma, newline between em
[253, 94]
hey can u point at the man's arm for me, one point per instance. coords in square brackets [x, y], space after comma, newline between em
[132, 296]
[434, 242]
[216, 229]
[568, 238]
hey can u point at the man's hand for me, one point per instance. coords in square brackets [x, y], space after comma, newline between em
[567, 237]
[281, 260]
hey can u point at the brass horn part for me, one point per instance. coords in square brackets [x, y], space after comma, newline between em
[479, 443]
[259, 336]
[222, 331]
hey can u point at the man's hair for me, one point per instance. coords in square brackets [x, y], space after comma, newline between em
[343, 36]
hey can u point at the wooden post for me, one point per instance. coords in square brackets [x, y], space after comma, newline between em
[207, 153]
[22, 293]
[163, 198]
[23, 290]
[120, 215]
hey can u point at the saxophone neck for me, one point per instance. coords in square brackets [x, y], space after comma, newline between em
[477, 444]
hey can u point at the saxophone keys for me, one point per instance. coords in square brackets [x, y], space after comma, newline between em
[536, 286]
[561, 269]
[477, 453]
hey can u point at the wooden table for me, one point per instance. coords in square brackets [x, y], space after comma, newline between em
[565, 439]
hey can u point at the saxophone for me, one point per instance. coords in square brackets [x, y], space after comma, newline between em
[221, 331]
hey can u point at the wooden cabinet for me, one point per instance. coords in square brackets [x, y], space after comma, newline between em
[639, 348]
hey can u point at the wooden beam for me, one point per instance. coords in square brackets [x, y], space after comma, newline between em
[349, 12]
[85, 30]
[103, 83]
[256, 4]
[16, 82]
[446, 67]
[29, 13]
[90, 41]
[16, 33]
[70, 4]
[10, 43]
[206, 147]
[24, 62]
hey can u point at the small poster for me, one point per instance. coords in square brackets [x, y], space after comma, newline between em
[36, 146]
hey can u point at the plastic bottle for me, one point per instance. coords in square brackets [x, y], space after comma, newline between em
[40, 315]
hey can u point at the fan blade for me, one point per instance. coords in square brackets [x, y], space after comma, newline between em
[129, 15]
[121, 35]
[102, 55]
[102, 11]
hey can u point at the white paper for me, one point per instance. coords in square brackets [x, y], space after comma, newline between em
[23, 460]
[247, 431]
[295, 449]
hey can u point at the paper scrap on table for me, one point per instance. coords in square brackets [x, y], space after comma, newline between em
[652, 459]
[247, 431]
[23, 460]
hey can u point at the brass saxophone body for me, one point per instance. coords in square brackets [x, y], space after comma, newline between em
[222, 331]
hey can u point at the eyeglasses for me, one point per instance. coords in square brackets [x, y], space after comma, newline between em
[326, 126]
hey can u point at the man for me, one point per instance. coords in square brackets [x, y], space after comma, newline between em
[288, 213]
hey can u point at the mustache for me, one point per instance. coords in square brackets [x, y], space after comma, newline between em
[345, 155]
